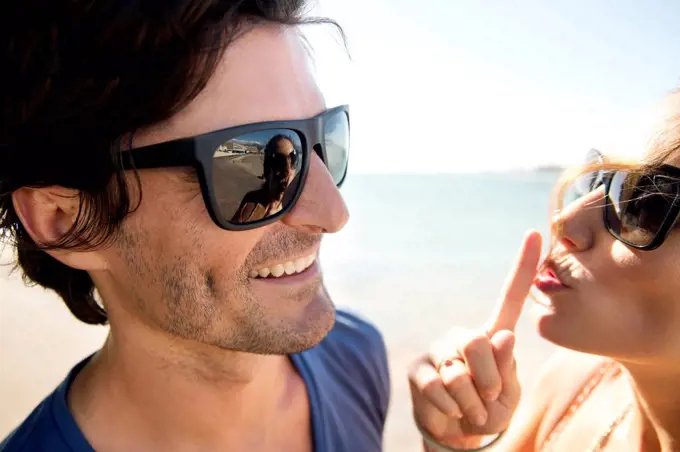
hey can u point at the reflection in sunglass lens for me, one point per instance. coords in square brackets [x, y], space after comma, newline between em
[583, 185]
[337, 145]
[255, 175]
[638, 205]
[589, 182]
[586, 182]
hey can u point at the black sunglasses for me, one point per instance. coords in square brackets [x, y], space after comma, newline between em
[252, 175]
[641, 208]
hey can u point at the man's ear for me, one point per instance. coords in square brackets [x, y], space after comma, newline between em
[47, 214]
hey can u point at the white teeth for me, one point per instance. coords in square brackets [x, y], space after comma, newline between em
[277, 271]
[301, 264]
[288, 268]
[263, 273]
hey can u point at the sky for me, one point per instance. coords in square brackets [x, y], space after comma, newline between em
[452, 85]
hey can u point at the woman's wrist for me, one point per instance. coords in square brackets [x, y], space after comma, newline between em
[470, 443]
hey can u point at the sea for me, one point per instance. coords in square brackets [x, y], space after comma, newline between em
[420, 254]
[454, 235]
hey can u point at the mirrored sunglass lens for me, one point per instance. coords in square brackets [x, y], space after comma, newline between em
[256, 175]
[639, 205]
[586, 182]
[583, 185]
[589, 182]
[336, 135]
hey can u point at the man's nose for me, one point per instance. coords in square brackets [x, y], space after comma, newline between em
[320, 207]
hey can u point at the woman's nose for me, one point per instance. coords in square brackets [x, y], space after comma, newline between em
[579, 223]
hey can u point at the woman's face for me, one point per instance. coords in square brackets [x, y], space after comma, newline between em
[618, 301]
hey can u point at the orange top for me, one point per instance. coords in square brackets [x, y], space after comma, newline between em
[606, 369]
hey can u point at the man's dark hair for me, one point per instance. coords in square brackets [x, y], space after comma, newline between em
[75, 77]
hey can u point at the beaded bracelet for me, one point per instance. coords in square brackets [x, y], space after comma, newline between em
[432, 442]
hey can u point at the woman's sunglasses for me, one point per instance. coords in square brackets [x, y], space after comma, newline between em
[640, 209]
[251, 175]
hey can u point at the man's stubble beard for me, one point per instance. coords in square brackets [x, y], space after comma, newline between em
[241, 322]
[195, 306]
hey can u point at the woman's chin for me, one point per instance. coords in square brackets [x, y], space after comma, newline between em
[543, 305]
[564, 328]
[545, 320]
[569, 319]
[550, 323]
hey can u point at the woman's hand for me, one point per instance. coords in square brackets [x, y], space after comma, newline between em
[467, 385]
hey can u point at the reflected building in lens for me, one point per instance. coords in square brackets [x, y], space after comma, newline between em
[239, 147]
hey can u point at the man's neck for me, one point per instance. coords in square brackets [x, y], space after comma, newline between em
[657, 417]
[183, 392]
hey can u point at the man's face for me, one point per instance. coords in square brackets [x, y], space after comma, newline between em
[172, 269]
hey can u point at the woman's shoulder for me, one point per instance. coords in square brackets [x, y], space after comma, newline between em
[556, 386]
[568, 369]
[562, 384]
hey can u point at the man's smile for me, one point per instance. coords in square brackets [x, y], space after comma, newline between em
[284, 268]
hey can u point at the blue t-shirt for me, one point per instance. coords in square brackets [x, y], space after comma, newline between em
[347, 381]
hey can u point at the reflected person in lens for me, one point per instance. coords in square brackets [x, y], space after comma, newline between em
[607, 293]
[279, 171]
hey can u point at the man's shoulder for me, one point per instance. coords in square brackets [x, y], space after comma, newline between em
[355, 334]
[38, 432]
[355, 354]
[352, 323]
[50, 426]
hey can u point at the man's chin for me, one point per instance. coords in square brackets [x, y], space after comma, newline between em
[317, 321]
[304, 323]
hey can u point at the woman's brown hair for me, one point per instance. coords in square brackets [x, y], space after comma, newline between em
[663, 146]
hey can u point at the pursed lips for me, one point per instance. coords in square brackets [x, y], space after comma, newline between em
[550, 267]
